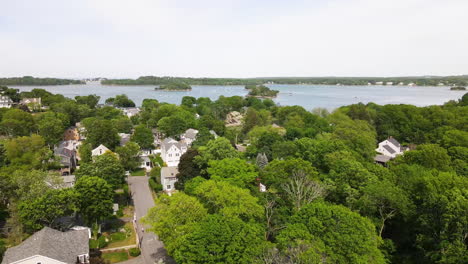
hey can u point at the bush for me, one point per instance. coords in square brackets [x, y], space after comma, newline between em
[102, 243]
[114, 237]
[155, 186]
[155, 173]
[93, 244]
[134, 252]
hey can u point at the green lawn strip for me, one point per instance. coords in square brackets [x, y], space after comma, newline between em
[114, 257]
[139, 172]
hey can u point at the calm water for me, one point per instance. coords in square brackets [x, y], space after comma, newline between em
[308, 96]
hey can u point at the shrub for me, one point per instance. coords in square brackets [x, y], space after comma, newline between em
[102, 243]
[134, 252]
[155, 186]
[93, 243]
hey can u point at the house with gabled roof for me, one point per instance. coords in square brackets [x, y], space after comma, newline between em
[169, 178]
[172, 150]
[101, 149]
[50, 246]
[391, 148]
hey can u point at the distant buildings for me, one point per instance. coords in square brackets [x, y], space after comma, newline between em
[33, 104]
[50, 246]
[189, 136]
[5, 101]
[66, 151]
[130, 111]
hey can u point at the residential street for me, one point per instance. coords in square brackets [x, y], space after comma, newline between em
[152, 250]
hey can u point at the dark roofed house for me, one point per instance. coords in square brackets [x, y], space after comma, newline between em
[389, 149]
[394, 142]
[66, 152]
[51, 246]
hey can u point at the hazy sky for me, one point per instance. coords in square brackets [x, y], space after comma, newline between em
[244, 38]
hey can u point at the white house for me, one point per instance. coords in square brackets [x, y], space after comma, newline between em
[5, 101]
[390, 147]
[171, 150]
[130, 111]
[168, 178]
[101, 149]
[189, 136]
[145, 163]
[50, 246]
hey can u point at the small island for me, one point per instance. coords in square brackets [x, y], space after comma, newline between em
[458, 88]
[261, 91]
[174, 86]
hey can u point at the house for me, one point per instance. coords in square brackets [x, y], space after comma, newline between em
[390, 147]
[72, 133]
[5, 101]
[145, 163]
[101, 149]
[67, 154]
[189, 136]
[389, 83]
[171, 150]
[130, 111]
[168, 178]
[50, 246]
[32, 103]
[158, 136]
[124, 138]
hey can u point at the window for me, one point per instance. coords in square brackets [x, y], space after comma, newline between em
[169, 187]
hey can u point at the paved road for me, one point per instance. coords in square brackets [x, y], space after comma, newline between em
[152, 249]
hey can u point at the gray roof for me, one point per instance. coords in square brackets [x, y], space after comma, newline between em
[394, 141]
[51, 243]
[168, 142]
[389, 149]
[169, 172]
[191, 133]
[124, 138]
[382, 158]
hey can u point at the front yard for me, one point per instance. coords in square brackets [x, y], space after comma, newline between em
[139, 172]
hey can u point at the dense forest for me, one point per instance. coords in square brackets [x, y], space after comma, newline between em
[29, 80]
[461, 80]
[326, 201]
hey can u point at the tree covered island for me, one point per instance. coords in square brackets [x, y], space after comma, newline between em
[29, 80]
[174, 86]
[261, 91]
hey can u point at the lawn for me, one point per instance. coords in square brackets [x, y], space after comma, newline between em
[114, 257]
[139, 172]
[121, 239]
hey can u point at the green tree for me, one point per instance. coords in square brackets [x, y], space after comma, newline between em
[143, 136]
[51, 126]
[99, 131]
[16, 123]
[172, 217]
[428, 155]
[188, 169]
[346, 236]
[121, 100]
[107, 167]
[85, 152]
[129, 155]
[45, 210]
[28, 151]
[226, 199]
[233, 170]
[89, 100]
[95, 199]
[221, 239]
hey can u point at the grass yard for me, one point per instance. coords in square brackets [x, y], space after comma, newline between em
[121, 239]
[139, 172]
[114, 257]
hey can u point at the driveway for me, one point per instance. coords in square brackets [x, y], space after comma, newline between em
[152, 249]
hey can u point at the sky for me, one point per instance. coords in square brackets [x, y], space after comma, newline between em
[243, 38]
